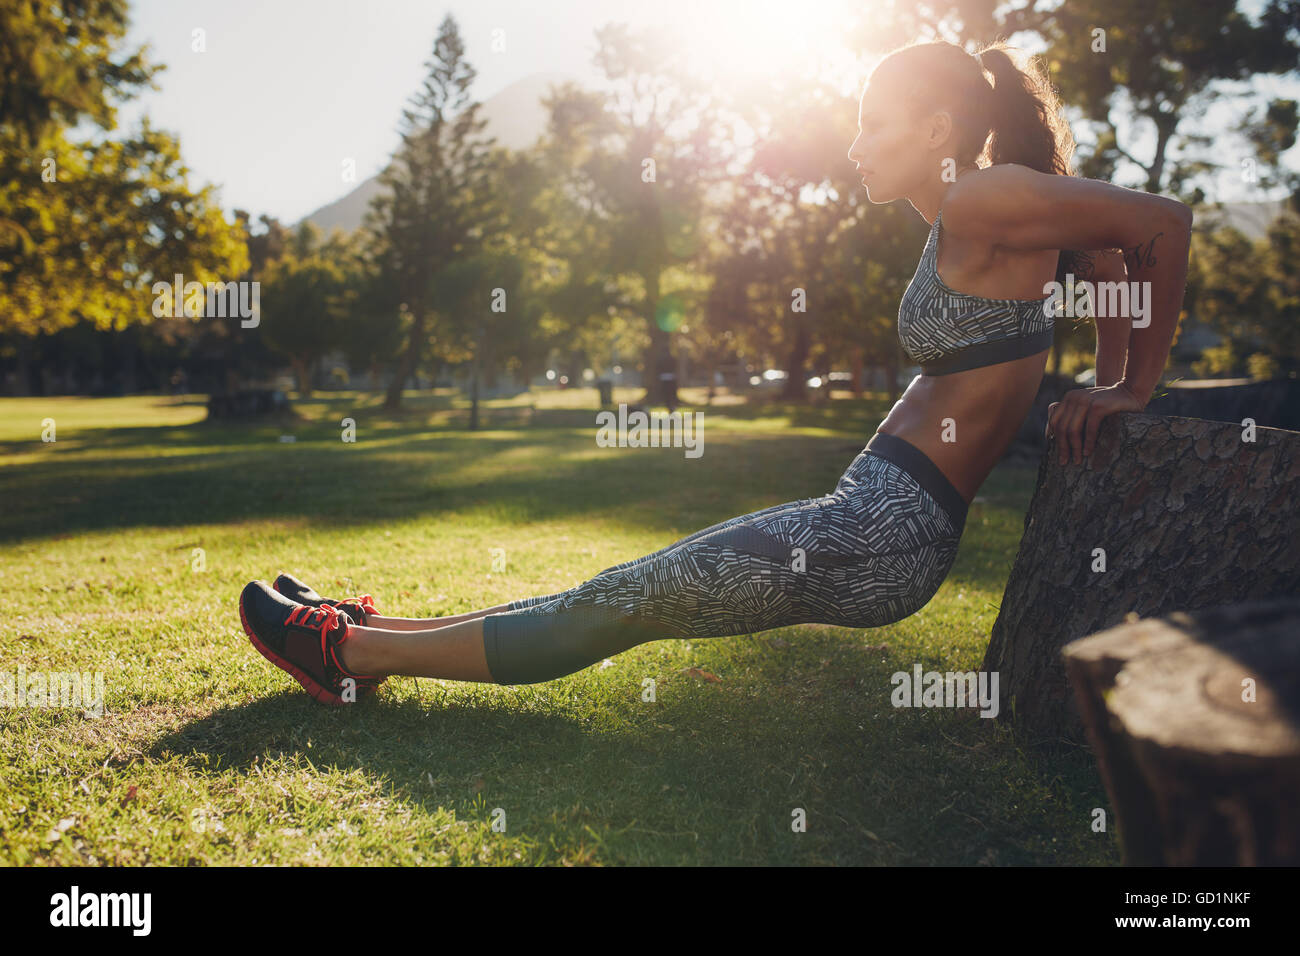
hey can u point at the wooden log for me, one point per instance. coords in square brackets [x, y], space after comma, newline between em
[1168, 514]
[1195, 720]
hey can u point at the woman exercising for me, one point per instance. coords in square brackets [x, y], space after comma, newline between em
[978, 147]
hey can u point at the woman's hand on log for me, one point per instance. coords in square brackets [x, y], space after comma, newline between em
[1074, 420]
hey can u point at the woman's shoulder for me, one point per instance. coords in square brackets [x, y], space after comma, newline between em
[988, 190]
[998, 203]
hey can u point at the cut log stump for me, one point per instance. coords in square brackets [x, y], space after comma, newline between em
[1168, 514]
[1195, 720]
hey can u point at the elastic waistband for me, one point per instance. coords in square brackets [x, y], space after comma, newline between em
[991, 353]
[927, 474]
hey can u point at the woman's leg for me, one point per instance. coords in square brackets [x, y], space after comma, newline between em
[870, 553]
[410, 624]
[451, 652]
[407, 624]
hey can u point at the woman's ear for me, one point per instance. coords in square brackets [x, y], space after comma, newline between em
[940, 131]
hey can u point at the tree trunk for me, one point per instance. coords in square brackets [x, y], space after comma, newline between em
[29, 381]
[406, 364]
[302, 372]
[473, 393]
[795, 388]
[661, 374]
[1195, 721]
[1168, 514]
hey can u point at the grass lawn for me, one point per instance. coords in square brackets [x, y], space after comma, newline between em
[206, 754]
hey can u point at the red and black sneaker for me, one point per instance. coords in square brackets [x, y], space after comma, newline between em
[304, 642]
[358, 609]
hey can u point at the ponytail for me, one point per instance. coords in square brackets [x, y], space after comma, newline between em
[1027, 128]
[1025, 115]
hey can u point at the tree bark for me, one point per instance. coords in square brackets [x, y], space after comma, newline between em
[1168, 514]
[1195, 721]
[406, 364]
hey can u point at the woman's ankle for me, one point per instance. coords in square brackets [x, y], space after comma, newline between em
[357, 655]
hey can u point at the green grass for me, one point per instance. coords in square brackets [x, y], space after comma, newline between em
[208, 755]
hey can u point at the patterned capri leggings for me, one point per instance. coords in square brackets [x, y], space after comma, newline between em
[871, 552]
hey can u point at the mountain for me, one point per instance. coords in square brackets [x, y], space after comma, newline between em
[515, 116]
[1251, 218]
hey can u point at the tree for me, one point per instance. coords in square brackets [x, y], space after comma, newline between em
[636, 162]
[87, 227]
[1247, 291]
[305, 301]
[62, 63]
[435, 208]
[1167, 514]
[798, 227]
[1163, 62]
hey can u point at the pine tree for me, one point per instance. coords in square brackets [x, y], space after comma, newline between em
[436, 208]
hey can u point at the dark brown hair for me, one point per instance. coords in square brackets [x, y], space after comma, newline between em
[1015, 118]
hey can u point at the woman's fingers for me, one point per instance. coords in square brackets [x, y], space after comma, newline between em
[1053, 410]
[1097, 413]
[1076, 419]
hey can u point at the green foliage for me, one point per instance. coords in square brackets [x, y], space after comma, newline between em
[89, 245]
[306, 299]
[751, 198]
[1164, 63]
[437, 207]
[630, 170]
[1249, 293]
[86, 227]
[63, 62]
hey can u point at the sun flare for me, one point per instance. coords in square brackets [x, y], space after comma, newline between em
[748, 39]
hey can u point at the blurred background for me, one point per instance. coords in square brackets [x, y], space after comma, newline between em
[335, 288]
[487, 202]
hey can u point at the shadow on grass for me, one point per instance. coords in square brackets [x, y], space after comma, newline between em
[708, 774]
[191, 475]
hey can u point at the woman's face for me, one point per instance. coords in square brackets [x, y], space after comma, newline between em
[893, 152]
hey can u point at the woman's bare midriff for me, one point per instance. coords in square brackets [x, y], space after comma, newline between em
[964, 422]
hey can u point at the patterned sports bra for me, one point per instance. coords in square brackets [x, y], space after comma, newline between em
[945, 331]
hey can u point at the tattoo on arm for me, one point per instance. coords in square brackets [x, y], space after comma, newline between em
[1083, 265]
[1142, 255]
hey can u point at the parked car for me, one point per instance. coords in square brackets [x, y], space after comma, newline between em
[772, 378]
[840, 380]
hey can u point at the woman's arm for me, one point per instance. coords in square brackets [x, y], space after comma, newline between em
[1019, 208]
[1107, 265]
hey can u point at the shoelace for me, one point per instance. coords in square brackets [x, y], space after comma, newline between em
[365, 602]
[325, 618]
[328, 618]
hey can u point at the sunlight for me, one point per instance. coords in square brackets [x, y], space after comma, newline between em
[749, 39]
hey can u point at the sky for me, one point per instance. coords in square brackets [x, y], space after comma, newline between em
[285, 90]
